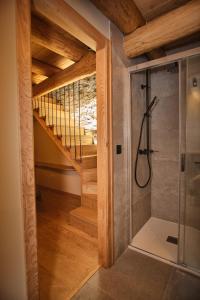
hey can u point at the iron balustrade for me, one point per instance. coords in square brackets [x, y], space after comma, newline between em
[61, 109]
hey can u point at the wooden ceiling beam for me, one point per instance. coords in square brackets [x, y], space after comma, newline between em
[85, 67]
[126, 16]
[167, 28]
[41, 68]
[123, 13]
[36, 78]
[56, 39]
[56, 11]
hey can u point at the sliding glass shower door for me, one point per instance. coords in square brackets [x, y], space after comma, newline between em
[189, 238]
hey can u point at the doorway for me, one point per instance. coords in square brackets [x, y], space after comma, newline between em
[78, 26]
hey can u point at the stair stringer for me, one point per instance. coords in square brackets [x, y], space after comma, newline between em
[76, 164]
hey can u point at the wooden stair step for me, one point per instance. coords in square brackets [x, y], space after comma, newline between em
[85, 150]
[45, 107]
[89, 175]
[52, 113]
[89, 188]
[38, 103]
[84, 219]
[89, 162]
[59, 121]
[61, 130]
[89, 200]
[85, 140]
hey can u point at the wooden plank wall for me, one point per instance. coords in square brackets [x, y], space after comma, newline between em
[26, 135]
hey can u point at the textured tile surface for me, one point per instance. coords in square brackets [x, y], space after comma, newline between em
[165, 140]
[138, 277]
[141, 213]
[141, 198]
[164, 190]
[182, 286]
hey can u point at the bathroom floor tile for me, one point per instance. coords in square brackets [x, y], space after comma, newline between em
[135, 276]
[182, 286]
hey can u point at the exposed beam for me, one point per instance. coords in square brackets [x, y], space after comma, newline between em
[57, 10]
[85, 67]
[57, 40]
[41, 68]
[126, 16]
[36, 79]
[123, 13]
[167, 28]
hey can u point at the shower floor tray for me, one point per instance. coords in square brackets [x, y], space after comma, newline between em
[153, 236]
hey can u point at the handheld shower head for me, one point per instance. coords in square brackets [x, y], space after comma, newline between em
[152, 105]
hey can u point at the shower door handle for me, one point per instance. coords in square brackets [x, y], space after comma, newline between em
[182, 162]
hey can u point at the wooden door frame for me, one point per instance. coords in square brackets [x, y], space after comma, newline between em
[88, 34]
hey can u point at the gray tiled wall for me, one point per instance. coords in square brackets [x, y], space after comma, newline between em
[141, 198]
[161, 198]
[165, 140]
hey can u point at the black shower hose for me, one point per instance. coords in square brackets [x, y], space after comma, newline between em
[146, 115]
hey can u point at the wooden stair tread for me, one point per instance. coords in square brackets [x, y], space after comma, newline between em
[89, 188]
[89, 200]
[89, 162]
[84, 213]
[89, 175]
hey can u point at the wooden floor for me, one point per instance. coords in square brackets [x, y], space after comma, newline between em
[67, 257]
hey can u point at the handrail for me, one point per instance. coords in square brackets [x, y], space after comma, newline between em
[53, 167]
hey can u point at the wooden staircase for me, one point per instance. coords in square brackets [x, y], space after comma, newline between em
[82, 155]
[85, 217]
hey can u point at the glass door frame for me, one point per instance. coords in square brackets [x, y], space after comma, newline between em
[179, 58]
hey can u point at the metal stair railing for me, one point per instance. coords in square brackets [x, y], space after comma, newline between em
[60, 109]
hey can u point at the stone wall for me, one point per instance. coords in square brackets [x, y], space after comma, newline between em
[79, 98]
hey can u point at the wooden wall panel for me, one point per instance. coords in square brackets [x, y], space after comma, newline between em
[26, 135]
[104, 156]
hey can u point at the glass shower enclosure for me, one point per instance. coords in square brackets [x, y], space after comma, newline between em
[189, 225]
[165, 147]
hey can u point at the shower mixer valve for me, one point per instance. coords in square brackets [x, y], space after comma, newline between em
[146, 151]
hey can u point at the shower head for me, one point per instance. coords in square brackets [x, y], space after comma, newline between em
[152, 105]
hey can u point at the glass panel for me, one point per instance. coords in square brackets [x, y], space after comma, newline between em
[190, 184]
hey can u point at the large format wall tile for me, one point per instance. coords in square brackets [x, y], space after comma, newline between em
[141, 213]
[165, 140]
[164, 190]
[141, 198]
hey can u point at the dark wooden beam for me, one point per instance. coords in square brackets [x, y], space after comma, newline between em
[85, 67]
[41, 68]
[126, 16]
[56, 39]
[167, 28]
[123, 13]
